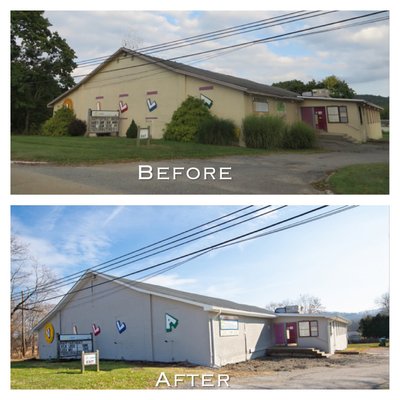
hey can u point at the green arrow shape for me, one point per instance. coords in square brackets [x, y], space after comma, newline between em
[170, 322]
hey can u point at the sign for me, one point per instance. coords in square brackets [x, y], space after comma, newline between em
[151, 105]
[49, 332]
[207, 101]
[229, 326]
[70, 346]
[170, 323]
[121, 326]
[90, 359]
[144, 133]
[104, 113]
[75, 337]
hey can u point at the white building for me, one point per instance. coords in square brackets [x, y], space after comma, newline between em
[137, 321]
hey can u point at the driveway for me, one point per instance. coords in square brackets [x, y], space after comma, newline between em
[278, 173]
[364, 371]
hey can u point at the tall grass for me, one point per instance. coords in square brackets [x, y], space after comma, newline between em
[263, 132]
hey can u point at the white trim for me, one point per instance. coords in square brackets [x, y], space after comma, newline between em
[237, 312]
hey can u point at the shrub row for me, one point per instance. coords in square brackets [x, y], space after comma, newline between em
[192, 121]
[269, 132]
[64, 123]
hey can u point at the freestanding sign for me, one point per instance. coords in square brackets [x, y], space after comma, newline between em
[90, 359]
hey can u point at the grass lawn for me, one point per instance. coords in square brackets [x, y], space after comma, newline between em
[35, 374]
[363, 346]
[360, 179]
[76, 150]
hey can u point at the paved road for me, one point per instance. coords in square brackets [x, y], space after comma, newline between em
[272, 174]
[368, 373]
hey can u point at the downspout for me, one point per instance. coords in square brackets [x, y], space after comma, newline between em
[212, 343]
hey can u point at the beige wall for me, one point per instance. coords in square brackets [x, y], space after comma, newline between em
[369, 129]
[127, 76]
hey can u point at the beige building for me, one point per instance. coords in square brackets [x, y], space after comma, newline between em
[129, 85]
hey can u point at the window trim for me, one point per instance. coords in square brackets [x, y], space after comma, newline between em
[341, 113]
[309, 328]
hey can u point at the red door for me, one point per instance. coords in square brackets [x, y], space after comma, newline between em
[291, 332]
[307, 115]
[279, 332]
[320, 118]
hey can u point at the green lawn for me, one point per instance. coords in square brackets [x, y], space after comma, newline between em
[360, 179]
[76, 150]
[362, 346]
[34, 374]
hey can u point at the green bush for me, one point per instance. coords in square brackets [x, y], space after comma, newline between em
[132, 130]
[77, 127]
[58, 124]
[185, 120]
[263, 132]
[299, 136]
[217, 131]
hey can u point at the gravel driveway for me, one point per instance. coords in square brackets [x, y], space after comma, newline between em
[368, 370]
[277, 173]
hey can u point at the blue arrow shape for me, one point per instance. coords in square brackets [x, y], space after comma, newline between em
[151, 105]
[121, 326]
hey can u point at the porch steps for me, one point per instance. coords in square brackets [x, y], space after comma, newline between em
[289, 351]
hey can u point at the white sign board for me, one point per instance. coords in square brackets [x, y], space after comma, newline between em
[144, 133]
[229, 326]
[104, 113]
[89, 359]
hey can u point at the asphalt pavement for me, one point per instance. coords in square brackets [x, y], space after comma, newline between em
[277, 173]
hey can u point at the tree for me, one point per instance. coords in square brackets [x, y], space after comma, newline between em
[374, 327]
[311, 304]
[338, 88]
[185, 121]
[293, 85]
[384, 303]
[30, 286]
[41, 67]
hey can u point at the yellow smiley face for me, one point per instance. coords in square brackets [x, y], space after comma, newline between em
[49, 332]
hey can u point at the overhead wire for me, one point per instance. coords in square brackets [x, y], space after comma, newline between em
[146, 247]
[194, 252]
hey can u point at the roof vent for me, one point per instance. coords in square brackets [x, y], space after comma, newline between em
[290, 310]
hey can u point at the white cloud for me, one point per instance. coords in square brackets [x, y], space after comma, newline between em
[345, 53]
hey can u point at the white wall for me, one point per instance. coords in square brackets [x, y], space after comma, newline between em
[253, 337]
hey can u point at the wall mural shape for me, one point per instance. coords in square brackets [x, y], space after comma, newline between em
[49, 332]
[207, 101]
[121, 326]
[151, 105]
[170, 322]
[96, 330]
[74, 329]
[123, 107]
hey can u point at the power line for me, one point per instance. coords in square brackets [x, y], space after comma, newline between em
[288, 35]
[195, 252]
[219, 34]
[128, 260]
[97, 266]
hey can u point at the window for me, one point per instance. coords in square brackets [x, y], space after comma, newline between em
[260, 104]
[337, 114]
[308, 328]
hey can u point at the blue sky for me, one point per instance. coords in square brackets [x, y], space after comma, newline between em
[342, 259]
[345, 53]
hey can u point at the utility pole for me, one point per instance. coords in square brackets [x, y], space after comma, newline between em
[22, 325]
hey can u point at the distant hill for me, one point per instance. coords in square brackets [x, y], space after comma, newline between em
[354, 317]
[380, 101]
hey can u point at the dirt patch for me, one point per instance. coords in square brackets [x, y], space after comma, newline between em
[278, 364]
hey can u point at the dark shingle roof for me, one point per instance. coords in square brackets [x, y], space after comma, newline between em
[191, 297]
[245, 85]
